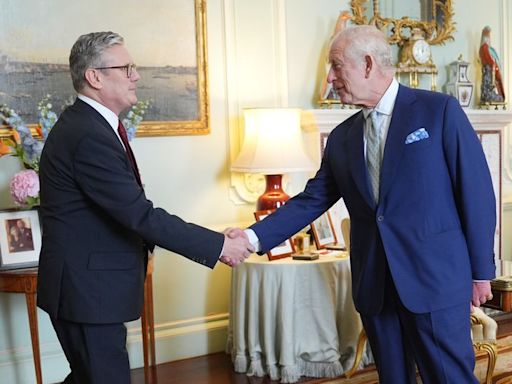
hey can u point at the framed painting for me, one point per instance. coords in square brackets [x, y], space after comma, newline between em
[323, 231]
[166, 39]
[285, 249]
[20, 238]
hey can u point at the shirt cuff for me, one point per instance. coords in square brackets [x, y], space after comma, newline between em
[253, 239]
[222, 250]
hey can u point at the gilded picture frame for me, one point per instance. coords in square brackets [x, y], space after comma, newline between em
[167, 41]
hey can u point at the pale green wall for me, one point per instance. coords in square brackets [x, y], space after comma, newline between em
[261, 53]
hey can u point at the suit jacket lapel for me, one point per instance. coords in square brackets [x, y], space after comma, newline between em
[395, 142]
[357, 161]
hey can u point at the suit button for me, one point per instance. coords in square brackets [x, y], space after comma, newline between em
[380, 218]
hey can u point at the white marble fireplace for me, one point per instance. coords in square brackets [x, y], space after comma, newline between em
[492, 128]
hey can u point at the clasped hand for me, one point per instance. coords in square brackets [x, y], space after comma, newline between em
[236, 247]
[481, 293]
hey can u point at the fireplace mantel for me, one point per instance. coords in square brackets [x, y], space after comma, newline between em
[324, 120]
[490, 125]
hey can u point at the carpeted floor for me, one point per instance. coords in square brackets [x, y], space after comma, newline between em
[502, 370]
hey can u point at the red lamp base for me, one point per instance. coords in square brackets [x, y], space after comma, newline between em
[274, 196]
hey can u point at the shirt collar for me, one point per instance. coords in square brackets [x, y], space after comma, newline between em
[387, 101]
[111, 117]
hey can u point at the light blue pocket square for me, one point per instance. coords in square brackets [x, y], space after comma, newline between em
[419, 134]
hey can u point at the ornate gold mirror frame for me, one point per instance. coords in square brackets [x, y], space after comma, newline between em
[437, 30]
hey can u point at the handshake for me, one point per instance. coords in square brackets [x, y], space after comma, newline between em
[236, 248]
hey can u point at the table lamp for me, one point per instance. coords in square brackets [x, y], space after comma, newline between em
[272, 146]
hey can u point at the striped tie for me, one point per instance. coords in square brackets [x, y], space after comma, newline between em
[373, 145]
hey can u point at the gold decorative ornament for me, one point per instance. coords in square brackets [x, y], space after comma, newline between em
[416, 59]
[413, 37]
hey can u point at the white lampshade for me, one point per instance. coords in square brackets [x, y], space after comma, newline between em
[272, 143]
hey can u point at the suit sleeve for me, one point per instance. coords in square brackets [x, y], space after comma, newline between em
[472, 184]
[106, 177]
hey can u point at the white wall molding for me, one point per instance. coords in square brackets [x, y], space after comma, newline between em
[506, 33]
[180, 327]
[22, 354]
[506, 60]
[174, 340]
[280, 52]
[246, 188]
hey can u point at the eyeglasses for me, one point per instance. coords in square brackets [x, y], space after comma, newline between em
[128, 67]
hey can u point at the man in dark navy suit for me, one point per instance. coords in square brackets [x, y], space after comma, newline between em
[414, 178]
[98, 225]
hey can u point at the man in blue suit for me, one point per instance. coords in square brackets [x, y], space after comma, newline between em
[413, 175]
[98, 225]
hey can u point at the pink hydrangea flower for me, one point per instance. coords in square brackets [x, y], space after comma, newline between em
[25, 184]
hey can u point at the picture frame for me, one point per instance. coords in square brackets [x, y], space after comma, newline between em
[323, 231]
[323, 142]
[167, 41]
[285, 249]
[20, 238]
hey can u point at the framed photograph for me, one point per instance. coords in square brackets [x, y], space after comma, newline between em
[20, 239]
[323, 231]
[166, 39]
[284, 249]
[323, 142]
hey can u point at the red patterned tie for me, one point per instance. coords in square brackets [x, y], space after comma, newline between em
[129, 153]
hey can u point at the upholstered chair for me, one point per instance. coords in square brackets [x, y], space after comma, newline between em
[483, 333]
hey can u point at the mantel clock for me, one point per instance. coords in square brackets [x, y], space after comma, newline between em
[413, 36]
[416, 59]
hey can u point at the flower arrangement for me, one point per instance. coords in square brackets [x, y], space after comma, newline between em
[25, 188]
[134, 118]
[24, 185]
[47, 118]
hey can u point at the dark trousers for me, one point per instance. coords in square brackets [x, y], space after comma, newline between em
[96, 352]
[438, 342]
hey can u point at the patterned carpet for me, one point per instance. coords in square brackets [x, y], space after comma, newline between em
[502, 370]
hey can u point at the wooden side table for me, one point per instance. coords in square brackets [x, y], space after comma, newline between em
[502, 288]
[501, 299]
[148, 327]
[25, 281]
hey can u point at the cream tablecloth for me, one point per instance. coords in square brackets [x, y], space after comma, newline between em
[293, 318]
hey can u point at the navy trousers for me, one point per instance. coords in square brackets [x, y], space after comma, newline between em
[438, 342]
[96, 352]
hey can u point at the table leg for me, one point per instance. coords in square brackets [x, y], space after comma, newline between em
[151, 320]
[34, 334]
[144, 324]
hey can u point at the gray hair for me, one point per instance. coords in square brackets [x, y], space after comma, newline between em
[361, 40]
[87, 53]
